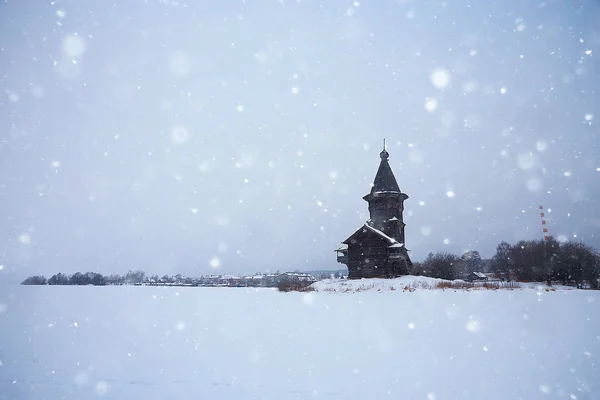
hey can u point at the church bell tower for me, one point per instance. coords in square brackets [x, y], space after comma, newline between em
[386, 201]
[378, 248]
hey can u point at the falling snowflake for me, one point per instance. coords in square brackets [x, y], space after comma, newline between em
[545, 389]
[12, 96]
[262, 57]
[74, 45]
[180, 134]
[534, 184]
[440, 78]
[25, 239]
[472, 325]
[102, 388]
[541, 146]
[308, 299]
[526, 160]
[469, 87]
[431, 104]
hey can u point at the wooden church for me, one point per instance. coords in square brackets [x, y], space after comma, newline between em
[378, 248]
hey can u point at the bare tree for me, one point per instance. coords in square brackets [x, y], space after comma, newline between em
[441, 265]
[501, 262]
[471, 261]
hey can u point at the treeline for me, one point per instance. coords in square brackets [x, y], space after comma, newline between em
[525, 261]
[88, 278]
[139, 278]
[569, 263]
[449, 266]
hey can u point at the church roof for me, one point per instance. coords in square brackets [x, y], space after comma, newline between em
[367, 227]
[383, 235]
[385, 181]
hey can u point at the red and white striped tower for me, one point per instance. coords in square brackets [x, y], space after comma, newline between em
[544, 226]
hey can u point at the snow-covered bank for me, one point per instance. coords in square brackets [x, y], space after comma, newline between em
[411, 283]
[376, 284]
[237, 343]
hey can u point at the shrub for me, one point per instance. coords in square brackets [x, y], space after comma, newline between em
[477, 285]
[288, 285]
[443, 285]
[491, 286]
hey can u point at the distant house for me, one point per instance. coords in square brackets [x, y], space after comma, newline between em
[477, 276]
[257, 280]
[377, 249]
[271, 280]
[298, 276]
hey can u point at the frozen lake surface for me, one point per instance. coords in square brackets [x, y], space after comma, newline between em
[238, 343]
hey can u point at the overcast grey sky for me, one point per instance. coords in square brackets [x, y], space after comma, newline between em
[239, 136]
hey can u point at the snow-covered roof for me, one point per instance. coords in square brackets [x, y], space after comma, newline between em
[395, 245]
[386, 191]
[480, 275]
[383, 235]
[394, 219]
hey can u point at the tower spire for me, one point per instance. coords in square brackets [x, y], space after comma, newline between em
[384, 154]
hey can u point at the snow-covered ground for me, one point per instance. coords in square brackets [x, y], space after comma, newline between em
[236, 343]
[410, 283]
[376, 284]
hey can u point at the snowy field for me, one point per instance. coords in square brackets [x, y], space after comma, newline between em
[234, 343]
[410, 283]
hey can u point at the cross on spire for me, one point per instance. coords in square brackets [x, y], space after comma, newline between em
[384, 154]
